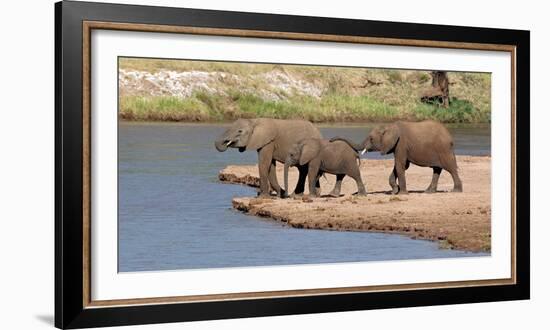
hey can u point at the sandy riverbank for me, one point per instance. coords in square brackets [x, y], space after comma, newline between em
[456, 220]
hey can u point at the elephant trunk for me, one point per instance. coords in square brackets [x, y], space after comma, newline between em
[363, 146]
[366, 146]
[221, 144]
[287, 165]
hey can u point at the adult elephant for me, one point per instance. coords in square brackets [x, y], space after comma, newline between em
[426, 143]
[272, 138]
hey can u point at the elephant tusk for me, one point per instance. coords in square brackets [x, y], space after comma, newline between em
[228, 143]
[363, 151]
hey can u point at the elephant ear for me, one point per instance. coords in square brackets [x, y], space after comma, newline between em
[263, 133]
[390, 136]
[310, 149]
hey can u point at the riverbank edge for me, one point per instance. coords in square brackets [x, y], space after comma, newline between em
[190, 119]
[355, 123]
[428, 231]
[254, 208]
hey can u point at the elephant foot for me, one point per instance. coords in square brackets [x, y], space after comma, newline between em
[403, 192]
[334, 194]
[394, 191]
[430, 190]
[263, 195]
[457, 189]
[282, 193]
[296, 195]
[362, 193]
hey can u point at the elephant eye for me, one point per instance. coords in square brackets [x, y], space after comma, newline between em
[240, 131]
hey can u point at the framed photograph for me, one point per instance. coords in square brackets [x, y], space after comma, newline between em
[214, 164]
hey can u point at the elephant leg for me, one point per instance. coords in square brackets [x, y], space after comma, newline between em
[400, 167]
[273, 179]
[355, 174]
[449, 164]
[456, 180]
[337, 186]
[313, 179]
[445, 101]
[300, 186]
[265, 157]
[435, 178]
[318, 183]
[393, 182]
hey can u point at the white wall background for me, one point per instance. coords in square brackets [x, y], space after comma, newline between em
[27, 163]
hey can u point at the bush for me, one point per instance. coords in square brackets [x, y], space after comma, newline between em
[459, 111]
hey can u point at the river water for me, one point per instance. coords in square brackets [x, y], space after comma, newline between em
[175, 214]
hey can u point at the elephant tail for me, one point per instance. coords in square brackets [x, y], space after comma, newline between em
[452, 149]
[454, 158]
[355, 146]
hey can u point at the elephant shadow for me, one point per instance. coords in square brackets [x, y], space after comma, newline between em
[388, 192]
[383, 192]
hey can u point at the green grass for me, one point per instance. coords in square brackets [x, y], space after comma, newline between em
[164, 108]
[207, 107]
[459, 111]
[347, 95]
[329, 109]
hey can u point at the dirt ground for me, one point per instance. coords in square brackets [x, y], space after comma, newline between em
[456, 220]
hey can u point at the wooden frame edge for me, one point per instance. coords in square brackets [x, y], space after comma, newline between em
[86, 164]
[138, 27]
[295, 293]
[88, 26]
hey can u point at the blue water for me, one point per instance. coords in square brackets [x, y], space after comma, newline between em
[175, 214]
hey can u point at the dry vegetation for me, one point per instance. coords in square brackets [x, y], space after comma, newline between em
[177, 90]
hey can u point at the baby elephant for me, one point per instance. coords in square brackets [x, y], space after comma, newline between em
[323, 156]
[426, 143]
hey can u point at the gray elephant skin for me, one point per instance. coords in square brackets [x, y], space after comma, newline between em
[272, 139]
[322, 156]
[426, 143]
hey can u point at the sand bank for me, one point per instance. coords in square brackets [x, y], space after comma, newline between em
[456, 220]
